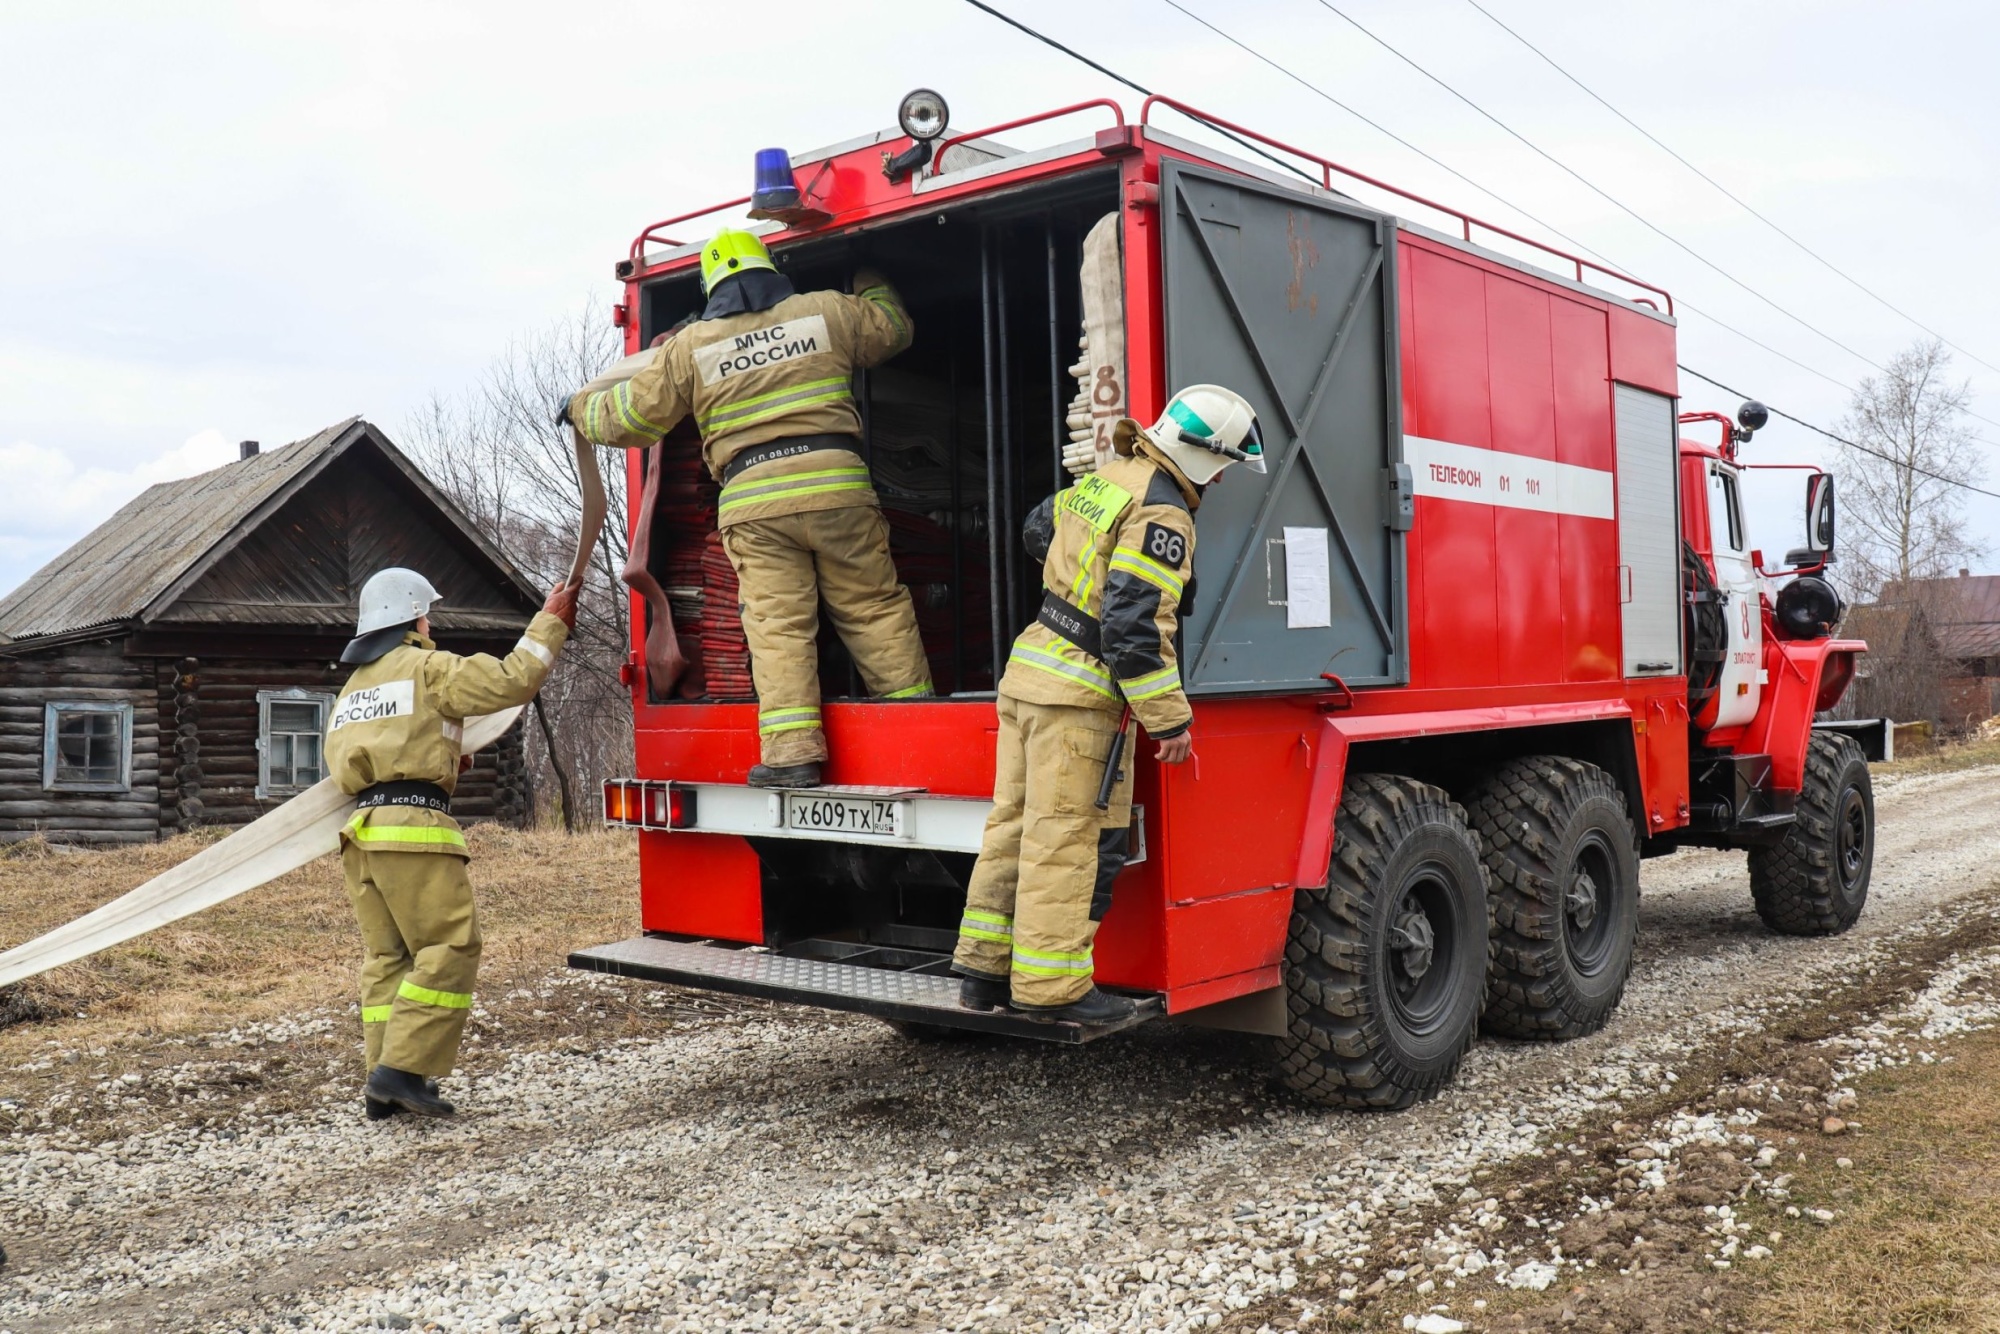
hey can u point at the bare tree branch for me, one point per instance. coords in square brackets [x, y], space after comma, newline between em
[497, 451]
[1897, 523]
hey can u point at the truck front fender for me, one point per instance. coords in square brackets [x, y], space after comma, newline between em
[1807, 676]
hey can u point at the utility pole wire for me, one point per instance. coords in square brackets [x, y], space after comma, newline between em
[1491, 194]
[1592, 186]
[1726, 192]
[1497, 197]
[1141, 89]
[1841, 439]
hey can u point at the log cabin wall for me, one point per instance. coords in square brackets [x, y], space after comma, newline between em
[96, 672]
[225, 732]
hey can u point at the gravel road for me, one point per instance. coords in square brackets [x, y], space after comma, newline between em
[758, 1167]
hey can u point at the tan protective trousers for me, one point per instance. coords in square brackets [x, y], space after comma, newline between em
[422, 937]
[784, 566]
[1049, 856]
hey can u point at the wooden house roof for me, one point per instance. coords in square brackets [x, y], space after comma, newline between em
[1964, 612]
[280, 540]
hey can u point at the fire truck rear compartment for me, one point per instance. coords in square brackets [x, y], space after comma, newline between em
[962, 432]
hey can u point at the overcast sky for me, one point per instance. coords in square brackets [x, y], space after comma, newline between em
[231, 221]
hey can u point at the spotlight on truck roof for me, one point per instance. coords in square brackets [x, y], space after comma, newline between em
[1750, 418]
[923, 115]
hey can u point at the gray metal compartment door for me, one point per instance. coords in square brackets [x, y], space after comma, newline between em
[1649, 541]
[1290, 300]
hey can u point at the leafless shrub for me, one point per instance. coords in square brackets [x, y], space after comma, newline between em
[497, 450]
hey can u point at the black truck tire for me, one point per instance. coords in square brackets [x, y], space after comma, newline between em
[1385, 967]
[1563, 862]
[1814, 881]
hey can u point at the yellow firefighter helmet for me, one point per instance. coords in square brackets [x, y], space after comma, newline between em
[729, 252]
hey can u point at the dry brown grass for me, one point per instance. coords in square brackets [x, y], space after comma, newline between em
[1916, 1244]
[1946, 757]
[289, 946]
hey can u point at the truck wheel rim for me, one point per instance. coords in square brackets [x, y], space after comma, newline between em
[1588, 905]
[1851, 838]
[1422, 950]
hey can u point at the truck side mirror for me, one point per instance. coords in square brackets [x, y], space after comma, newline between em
[1819, 513]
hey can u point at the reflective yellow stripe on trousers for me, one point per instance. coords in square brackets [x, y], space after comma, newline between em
[447, 1000]
[404, 837]
[796, 485]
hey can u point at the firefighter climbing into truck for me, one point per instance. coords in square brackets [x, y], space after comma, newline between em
[1486, 633]
[1113, 583]
[764, 372]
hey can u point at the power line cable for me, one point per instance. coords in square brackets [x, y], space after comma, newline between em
[1488, 191]
[1727, 193]
[1139, 88]
[1644, 221]
[1051, 42]
[1516, 208]
[1851, 444]
[1591, 185]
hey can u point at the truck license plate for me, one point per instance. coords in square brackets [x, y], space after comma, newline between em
[867, 817]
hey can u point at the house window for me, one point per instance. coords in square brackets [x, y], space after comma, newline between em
[86, 746]
[291, 726]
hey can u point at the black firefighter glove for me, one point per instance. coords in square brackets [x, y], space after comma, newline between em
[1038, 530]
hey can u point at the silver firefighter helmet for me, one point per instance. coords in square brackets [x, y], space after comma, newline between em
[390, 600]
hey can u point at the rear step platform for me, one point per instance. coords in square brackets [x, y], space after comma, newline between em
[887, 993]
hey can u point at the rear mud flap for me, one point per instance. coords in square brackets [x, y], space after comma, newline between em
[911, 997]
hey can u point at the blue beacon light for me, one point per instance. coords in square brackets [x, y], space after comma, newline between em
[774, 188]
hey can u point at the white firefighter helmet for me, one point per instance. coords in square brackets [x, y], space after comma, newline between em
[390, 600]
[392, 597]
[1205, 429]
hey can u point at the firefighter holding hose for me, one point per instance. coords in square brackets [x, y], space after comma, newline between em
[393, 742]
[1120, 554]
[765, 373]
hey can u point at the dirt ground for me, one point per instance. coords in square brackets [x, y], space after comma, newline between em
[189, 1153]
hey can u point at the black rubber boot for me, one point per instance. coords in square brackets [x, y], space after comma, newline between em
[981, 992]
[382, 1111]
[790, 775]
[409, 1092]
[1096, 1007]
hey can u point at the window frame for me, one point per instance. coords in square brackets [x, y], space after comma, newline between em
[266, 789]
[1733, 538]
[52, 712]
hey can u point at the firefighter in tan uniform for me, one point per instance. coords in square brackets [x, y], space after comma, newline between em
[765, 372]
[393, 741]
[1118, 562]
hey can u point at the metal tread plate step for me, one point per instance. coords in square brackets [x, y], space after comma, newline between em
[920, 998]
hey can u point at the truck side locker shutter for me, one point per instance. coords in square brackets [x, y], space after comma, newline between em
[1649, 557]
[1290, 299]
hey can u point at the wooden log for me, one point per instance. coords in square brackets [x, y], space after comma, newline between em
[81, 837]
[74, 690]
[73, 806]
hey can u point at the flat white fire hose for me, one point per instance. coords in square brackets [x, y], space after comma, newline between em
[306, 827]
[1100, 365]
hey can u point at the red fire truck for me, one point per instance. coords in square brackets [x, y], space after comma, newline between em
[1487, 634]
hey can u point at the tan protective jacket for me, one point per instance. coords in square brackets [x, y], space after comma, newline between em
[1111, 593]
[401, 717]
[758, 377]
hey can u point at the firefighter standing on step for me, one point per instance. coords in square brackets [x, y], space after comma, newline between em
[393, 742]
[765, 372]
[1119, 559]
